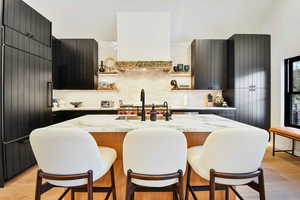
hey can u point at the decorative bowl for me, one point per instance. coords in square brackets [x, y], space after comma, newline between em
[75, 104]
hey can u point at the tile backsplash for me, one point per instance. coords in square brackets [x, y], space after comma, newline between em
[157, 88]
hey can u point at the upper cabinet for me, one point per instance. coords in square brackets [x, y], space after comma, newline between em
[75, 63]
[249, 61]
[209, 64]
[22, 18]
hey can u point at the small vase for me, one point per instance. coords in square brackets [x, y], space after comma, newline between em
[186, 68]
[102, 69]
[175, 68]
[180, 67]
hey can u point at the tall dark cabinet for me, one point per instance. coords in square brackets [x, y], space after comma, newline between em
[75, 64]
[209, 64]
[249, 78]
[26, 83]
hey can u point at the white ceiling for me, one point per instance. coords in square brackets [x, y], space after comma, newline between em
[190, 18]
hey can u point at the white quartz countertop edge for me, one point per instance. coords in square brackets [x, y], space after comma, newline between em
[116, 108]
[82, 109]
[200, 108]
[184, 123]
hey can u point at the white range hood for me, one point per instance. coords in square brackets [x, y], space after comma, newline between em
[143, 36]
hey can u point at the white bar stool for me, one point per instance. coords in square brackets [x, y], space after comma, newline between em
[154, 160]
[70, 158]
[229, 157]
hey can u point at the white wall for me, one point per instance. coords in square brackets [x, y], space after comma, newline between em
[282, 22]
[189, 18]
[107, 49]
[181, 53]
[143, 36]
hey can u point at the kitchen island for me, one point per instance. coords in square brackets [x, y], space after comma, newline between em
[110, 131]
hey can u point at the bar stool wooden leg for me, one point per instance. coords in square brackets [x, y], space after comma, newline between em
[261, 182]
[212, 185]
[72, 195]
[293, 147]
[90, 185]
[188, 183]
[113, 185]
[273, 144]
[180, 185]
[129, 189]
[227, 193]
[175, 195]
[38, 186]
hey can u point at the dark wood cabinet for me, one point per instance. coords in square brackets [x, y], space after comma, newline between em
[56, 75]
[226, 113]
[75, 64]
[26, 76]
[249, 61]
[19, 156]
[249, 78]
[229, 114]
[209, 64]
[22, 18]
[24, 43]
[25, 81]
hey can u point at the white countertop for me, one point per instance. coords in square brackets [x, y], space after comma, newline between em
[54, 109]
[184, 123]
[200, 108]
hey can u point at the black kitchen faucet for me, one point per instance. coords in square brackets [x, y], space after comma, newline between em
[143, 105]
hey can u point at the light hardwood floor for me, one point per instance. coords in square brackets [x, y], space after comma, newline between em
[282, 176]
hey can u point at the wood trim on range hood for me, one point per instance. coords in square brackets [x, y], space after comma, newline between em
[144, 65]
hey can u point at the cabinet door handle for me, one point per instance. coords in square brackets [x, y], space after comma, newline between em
[50, 94]
[30, 35]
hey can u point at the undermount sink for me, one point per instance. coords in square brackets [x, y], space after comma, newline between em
[132, 117]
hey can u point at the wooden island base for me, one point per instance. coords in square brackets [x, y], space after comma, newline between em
[115, 140]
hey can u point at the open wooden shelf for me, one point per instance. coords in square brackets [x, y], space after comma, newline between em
[175, 89]
[108, 73]
[108, 89]
[187, 74]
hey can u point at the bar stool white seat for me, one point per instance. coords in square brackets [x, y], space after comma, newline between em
[70, 158]
[229, 157]
[154, 159]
